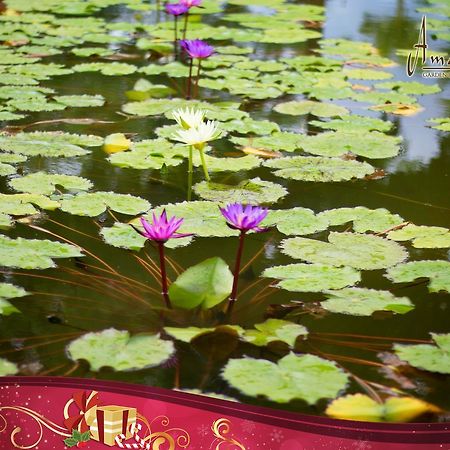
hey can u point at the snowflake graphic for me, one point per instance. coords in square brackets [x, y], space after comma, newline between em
[203, 430]
[362, 445]
[276, 435]
[248, 426]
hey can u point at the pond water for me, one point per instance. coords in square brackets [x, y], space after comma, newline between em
[112, 287]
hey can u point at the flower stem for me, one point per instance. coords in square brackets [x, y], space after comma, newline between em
[162, 265]
[237, 267]
[190, 174]
[205, 169]
[186, 18]
[175, 38]
[189, 81]
[197, 78]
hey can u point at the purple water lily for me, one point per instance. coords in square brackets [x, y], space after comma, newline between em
[243, 218]
[160, 231]
[196, 49]
[191, 3]
[176, 9]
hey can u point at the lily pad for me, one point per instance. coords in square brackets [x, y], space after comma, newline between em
[315, 168]
[114, 68]
[434, 358]
[189, 333]
[8, 291]
[313, 277]
[363, 408]
[299, 108]
[361, 251]
[282, 140]
[353, 122]
[306, 377]
[364, 302]
[46, 183]
[33, 253]
[297, 220]
[442, 123]
[117, 349]
[80, 101]
[253, 191]
[437, 271]
[95, 203]
[7, 368]
[409, 87]
[422, 236]
[275, 330]
[367, 74]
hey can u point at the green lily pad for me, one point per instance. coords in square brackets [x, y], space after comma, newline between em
[189, 333]
[306, 377]
[313, 277]
[206, 284]
[8, 291]
[33, 253]
[409, 87]
[6, 160]
[299, 108]
[437, 271]
[95, 203]
[367, 74]
[282, 140]
[111, 69]
[372, 144]
[214, 164]
[248, 125]
[353, 122]
[35, 104]
[364, 302]
[422, 236]
[253, 191]
[80, 101]
[289, 35]
[361, 251]
[275, 330]
[117, 349]
[315, 168]
[434, 358]
[46, 183]
[364, 219]
[442, 123]
[297, 220]
[7, 368]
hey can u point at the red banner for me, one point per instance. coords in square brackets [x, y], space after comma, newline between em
[46, 413]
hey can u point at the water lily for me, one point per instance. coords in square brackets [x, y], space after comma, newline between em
[188, 4]
[176, 9]
[195, 49]
[188, 118]
[160, 231]
[243, 218]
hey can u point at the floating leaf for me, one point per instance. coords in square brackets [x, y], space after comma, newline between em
[247, 162]
[122, 235]
[33, 253]
[437, 271]
[393, 409]
[367, 74]
[364, 219]
[434, 358]
[46, 183]
[275, 330]
[312, 277]
[352, 123]
[299, 108]
[422, 236]
[276, 141]
[116, 142]
[296, 221]
[95, 203]
[361, 251]
[442, 123]
[252, 191]
[315, 168]
[248, 125]
[5, 163]
[189, 333]
[8, 291]
[206, 284]
[305, 377]
[364, 302]
[117, 349]
[409, 87]
[114, 68]
[7, 368]
[80, 101]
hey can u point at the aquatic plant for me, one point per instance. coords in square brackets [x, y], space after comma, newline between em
[244, 218]
[160, 231]
[195, 49]
[175, 10]
[188, 4]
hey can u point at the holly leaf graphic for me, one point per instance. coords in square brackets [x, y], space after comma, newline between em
[76, 435]
[85, 436]
[70, 442]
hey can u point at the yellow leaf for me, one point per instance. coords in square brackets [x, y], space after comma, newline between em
[404, 409]
[355, 407]
[116, 142]
[261, 152]
[400, 109]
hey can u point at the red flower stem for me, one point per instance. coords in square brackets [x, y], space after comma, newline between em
[233, 296]
[198, 77]
[162, 263]
[186, 17]
[189, 82]
[175, 39]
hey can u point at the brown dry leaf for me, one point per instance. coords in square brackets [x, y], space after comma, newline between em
[261, 152]
[376, 175]
[17, 43]
[361, 87]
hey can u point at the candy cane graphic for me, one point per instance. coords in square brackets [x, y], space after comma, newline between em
[135, 429]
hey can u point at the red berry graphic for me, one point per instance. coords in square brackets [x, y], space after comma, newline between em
[81, 444]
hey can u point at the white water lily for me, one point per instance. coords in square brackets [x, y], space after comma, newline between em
[198, 136]
[188, 118]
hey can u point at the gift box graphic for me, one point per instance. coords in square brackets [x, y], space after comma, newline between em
[107, 422]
